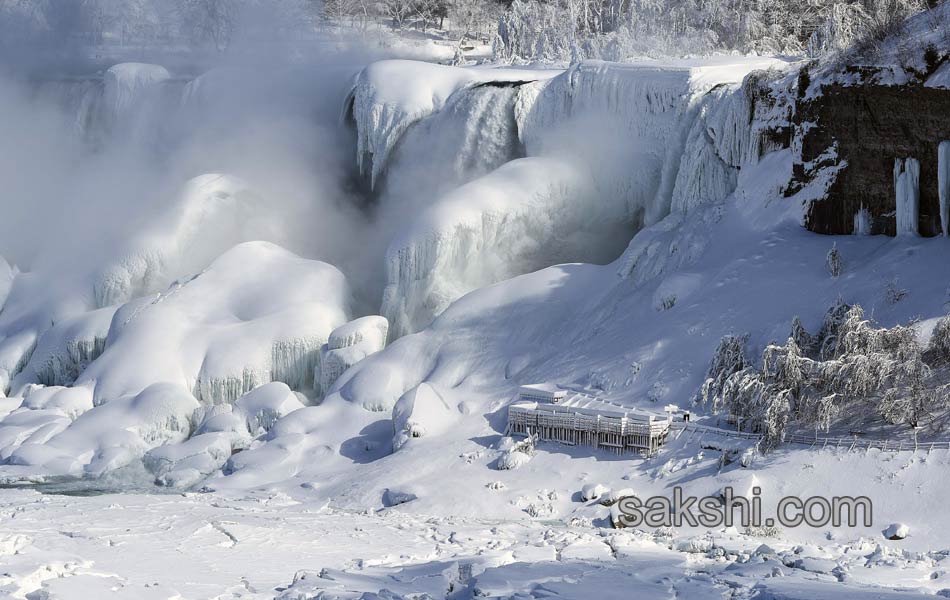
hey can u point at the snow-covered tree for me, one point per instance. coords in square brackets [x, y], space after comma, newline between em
[833, 261]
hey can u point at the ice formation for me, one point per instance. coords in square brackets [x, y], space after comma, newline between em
[347, 345]
[655, 140]
[66, 349]
[907, 191]
[389, 96]
[943, 180]
[862, 222]
[527, 214]
[127, 84]
[212, 213]
[257, 314]
[474, 133]
[119, 102]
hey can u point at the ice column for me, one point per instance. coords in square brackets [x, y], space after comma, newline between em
[907, 187]
[943, 183]
[862, 222]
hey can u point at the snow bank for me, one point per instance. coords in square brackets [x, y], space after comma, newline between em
[389, 96]
[257, 314]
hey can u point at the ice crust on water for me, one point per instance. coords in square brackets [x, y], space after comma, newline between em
[257, 314]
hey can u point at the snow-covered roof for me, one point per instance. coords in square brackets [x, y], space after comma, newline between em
[578, 403]
[547, 390]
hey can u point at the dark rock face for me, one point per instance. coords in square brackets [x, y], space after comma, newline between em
[872, 125]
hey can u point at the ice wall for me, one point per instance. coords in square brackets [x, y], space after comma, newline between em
[907, 192]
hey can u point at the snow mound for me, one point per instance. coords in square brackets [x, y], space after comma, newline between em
[101, 439]
[257, 314]
[347, 345]
[420, 411]
[390, 95]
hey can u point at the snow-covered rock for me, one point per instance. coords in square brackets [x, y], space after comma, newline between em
[257, 314]
[347, 345]
[594, 491]
[420, 411]
[896, 531]
[181, 465]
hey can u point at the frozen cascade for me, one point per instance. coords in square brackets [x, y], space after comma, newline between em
[347, 345]
[657, 139]
[528, 214]
[212, 213]
[907, 191]
[66, 349]
[943, 180]
[473, 134]
[390, 95]
[862, 222]
[130, 98]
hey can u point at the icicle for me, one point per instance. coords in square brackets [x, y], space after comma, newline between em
[862, 221]
[943, 179]
[907, 188]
